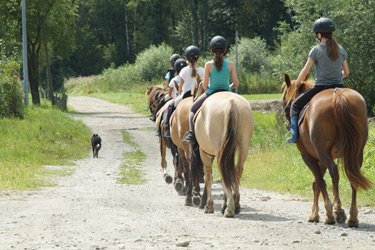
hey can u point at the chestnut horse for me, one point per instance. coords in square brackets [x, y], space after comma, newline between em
[223, 126]
[334, 126]
[155, 96]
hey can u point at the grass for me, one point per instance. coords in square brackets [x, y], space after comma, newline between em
[46, 136]
[263, 96]
[130, 171]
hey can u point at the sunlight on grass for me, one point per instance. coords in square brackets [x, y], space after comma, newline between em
[46, 136]
[130, 171]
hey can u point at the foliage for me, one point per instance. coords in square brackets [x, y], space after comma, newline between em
[254, 67]
[11, 93]
[46, 136]
[356, 36]
[153, 62]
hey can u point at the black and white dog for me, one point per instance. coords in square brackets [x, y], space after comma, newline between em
[96, 144]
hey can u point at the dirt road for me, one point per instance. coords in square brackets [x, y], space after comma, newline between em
[89, 210]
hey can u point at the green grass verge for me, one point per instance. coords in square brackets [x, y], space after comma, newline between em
[46, 136]
[130, 171]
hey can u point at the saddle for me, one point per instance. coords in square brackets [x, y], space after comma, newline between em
[199, 110]
[302, 114]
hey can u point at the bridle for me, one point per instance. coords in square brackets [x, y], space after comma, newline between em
[157, 101]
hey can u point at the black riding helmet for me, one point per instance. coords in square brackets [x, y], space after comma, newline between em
[192, 52]
[218, 44]
[174, 58]
[180, 64]
[323, 25]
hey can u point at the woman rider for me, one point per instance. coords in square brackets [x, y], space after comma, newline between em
[330, 69]
[216, 77]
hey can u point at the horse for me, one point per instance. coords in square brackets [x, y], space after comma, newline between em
[224, 127]
[334, 127]
[192, 170]
[155, 96]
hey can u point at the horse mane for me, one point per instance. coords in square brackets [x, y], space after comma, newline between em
[197, 89]
[294, 91]
[154, 93]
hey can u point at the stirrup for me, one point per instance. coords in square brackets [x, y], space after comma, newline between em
[167, 133]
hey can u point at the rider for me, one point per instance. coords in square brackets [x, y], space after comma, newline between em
[173, 92]
[217, 73]
[188, 74]
[168, 78]
[330, 69]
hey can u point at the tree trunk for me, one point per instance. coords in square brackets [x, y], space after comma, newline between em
[126, 27]
[195, 21]
[183, 23]
[135, 29]
[48, 68]
[33, 73]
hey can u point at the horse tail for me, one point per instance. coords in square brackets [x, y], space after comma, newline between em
[196, 164]
[352, 133]
[226, 155]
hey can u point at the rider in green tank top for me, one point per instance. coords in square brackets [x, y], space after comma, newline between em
[219, 80]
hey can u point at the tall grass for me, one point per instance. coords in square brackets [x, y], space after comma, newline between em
[46, 136]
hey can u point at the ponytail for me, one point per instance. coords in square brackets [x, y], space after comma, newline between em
[332, 46]
[218, 61]
[192, 61]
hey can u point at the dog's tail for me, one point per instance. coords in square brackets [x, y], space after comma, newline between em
[98, 146]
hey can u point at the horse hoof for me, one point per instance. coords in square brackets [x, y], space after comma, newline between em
[208, 210]
[196, 201]
[168, 179]
[340, 216]
[314, 219]
[353, 223]
[228, 214]
[188, 202]
[329, 220]
[179, 186]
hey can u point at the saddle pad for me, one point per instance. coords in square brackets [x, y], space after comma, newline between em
[302, 114]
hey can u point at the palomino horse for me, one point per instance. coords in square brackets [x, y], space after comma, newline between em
[155, 95]
[334, 126]
[223, 126]
[179, 126]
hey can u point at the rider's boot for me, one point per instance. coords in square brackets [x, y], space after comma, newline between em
[189, 137]
[293, 130]
[167, 132]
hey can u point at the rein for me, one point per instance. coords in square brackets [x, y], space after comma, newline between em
[156, 101]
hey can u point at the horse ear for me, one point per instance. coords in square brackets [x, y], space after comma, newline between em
[287, 80]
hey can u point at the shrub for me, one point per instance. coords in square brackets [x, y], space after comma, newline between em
[11, 93]
[153, 62]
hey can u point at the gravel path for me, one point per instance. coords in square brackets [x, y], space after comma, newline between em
[89, 210]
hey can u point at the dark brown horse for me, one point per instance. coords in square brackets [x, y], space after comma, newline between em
[155, 95]
[334, 127]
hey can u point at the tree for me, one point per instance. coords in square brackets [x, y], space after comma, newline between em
[60, 24]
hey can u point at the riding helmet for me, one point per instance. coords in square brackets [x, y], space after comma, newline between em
[180, 64]
[323, 25]
[192, 52]
[174, 58]
[218, 43]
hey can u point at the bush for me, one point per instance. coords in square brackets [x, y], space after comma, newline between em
[153, 62]
[254, 67]
[253, 56]
[11, 93]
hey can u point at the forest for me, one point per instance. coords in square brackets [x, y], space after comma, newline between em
[89, 37]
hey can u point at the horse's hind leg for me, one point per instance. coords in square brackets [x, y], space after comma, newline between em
[326, 161]
[353, 219]
[207, 162]
[163, 149]
[340, 216]
[319, 183]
